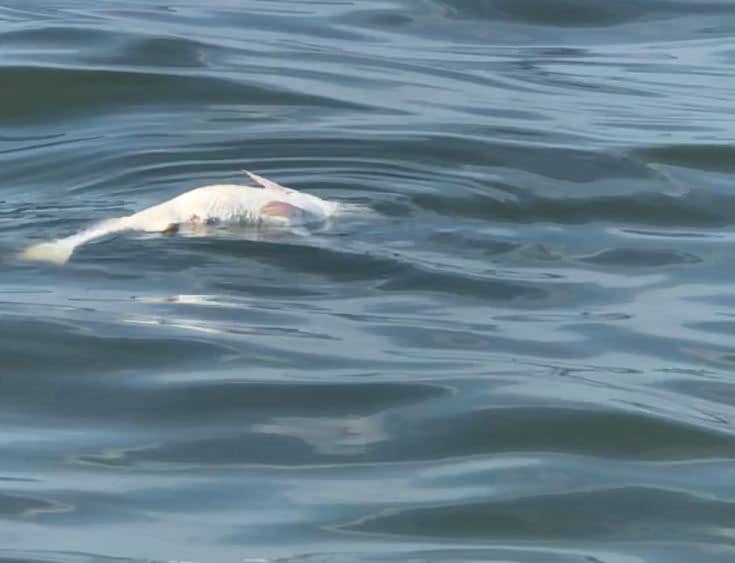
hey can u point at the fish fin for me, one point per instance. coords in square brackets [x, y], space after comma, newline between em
[55, 252]
[281, 211]
[268, 184]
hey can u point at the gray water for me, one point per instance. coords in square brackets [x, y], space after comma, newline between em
[524, 354]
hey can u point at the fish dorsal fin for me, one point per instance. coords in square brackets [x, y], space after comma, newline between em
[268, 184]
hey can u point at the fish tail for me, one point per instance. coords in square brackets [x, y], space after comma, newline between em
[60, 250]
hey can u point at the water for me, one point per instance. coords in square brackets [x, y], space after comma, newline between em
[526, 354]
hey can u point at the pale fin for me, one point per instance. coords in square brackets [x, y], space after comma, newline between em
[268, 184]
[54, 252]
[60, 250]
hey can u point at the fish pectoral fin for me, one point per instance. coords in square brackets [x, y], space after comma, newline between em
[171, 229]
[280, 210]
[165, 226]
[267, 184]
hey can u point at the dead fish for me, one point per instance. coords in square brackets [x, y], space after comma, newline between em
[267, 204]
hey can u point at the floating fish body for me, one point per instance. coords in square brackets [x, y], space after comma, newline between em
[268, 204]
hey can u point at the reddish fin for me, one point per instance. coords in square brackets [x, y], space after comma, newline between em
[280, 210]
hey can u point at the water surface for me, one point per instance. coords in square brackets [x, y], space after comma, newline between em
[526, 354]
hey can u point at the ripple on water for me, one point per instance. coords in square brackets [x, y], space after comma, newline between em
[521, 353]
